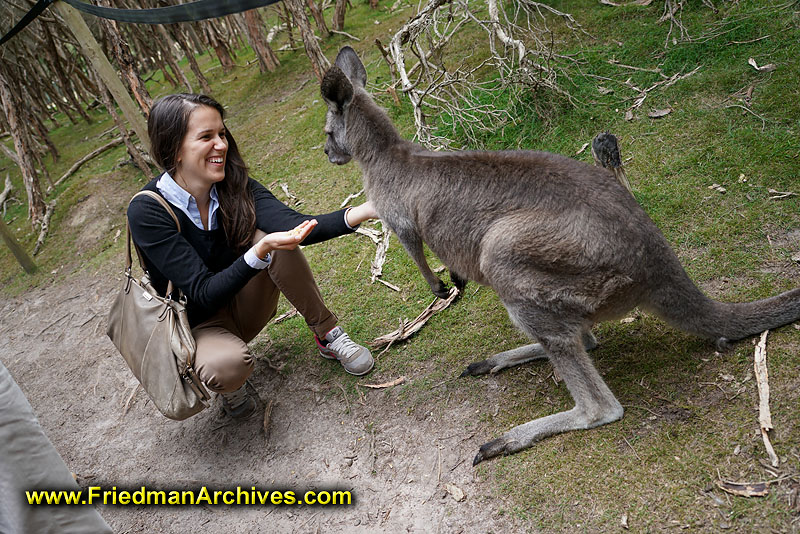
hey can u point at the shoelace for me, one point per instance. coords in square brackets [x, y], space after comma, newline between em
[345, 345]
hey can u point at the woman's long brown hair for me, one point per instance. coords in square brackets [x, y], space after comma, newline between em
[167, 126]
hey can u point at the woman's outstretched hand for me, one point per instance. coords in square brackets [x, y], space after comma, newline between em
[358, 214]
[284, 240]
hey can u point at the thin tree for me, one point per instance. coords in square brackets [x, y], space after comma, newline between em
[36, 205]
[318, 60]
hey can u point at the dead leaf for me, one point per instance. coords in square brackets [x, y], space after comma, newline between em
[769, 67]
[756, 489]
[395, 382]
[627, 320]
[629, 115]
[585, 145]
[717, 187]
[658, 113]
[796, 257]
[455, 492]
[624, 521]
[604, 90]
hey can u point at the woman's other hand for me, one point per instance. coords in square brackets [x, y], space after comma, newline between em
[284, 240]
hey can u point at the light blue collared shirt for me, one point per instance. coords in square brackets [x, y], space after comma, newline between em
[181, 198]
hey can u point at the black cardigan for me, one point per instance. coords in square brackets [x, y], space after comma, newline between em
[200, 262]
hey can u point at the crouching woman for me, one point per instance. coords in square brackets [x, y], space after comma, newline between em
[236, 250]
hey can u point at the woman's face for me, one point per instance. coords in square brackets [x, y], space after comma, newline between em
[201, 157]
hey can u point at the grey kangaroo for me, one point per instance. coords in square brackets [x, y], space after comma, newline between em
[562, 243]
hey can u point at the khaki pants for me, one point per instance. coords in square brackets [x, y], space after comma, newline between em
[222, 360]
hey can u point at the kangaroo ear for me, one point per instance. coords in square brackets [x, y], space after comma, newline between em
[348, 61]
[336, 88]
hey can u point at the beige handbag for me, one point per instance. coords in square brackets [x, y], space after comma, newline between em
[153, 335]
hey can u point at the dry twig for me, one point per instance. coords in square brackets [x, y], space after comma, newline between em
[407, 329]
[762, 376]
[393, 383]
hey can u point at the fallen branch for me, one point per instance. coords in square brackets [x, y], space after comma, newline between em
[350, 197]
[407, 329]
[756, 489]
[10, 154]
[762, 377]
[393, 383]
[45, 226]
[353, 37]
[376, 269]
[748, 110]
[130, 399]
[288, 315]
[6, 192]
[84, 159]
[291, 196]
[387, 284]
[778, 194]
[371, 233]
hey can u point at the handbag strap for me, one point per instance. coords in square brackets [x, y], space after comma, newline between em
[128, 257]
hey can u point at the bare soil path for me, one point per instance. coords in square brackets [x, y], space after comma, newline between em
[53, 342]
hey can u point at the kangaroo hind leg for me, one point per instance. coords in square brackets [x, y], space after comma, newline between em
[518, 356]
[595, 404]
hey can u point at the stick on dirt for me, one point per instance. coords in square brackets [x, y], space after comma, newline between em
[395, 382]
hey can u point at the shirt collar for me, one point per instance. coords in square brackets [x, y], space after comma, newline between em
[181, 198]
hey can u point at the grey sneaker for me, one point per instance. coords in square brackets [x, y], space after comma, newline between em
[239, 404]
[337, 345]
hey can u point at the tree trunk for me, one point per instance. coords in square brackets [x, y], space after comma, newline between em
[219, 47]
[133, 151]
[179, 37]
[267, 60]
[126, 64]
[36, 205]
[316, 12]
[318, 60]
[63, 78]
[338, 15]
[287, 17]
[167, 49]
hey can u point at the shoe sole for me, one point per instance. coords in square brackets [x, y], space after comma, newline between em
[331, 357]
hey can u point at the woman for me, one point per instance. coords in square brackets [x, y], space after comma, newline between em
[237, 248]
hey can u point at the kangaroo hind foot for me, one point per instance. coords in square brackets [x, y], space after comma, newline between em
[518, 356]
[595, 404]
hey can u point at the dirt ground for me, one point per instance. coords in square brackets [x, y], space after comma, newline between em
[53, 342]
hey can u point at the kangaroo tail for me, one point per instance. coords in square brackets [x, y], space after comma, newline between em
[679, 302]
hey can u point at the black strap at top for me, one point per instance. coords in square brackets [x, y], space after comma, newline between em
[193, 11]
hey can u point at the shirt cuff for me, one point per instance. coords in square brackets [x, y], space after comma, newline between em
[252, 259]
[347, 224]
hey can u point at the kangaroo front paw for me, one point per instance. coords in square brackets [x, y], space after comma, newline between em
[459, 282]
[478, 368]
[494, 448]
[441, 290]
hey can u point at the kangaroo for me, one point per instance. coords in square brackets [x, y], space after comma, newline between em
[562, 243]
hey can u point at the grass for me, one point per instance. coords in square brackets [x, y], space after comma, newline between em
[687, 408]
